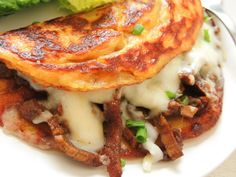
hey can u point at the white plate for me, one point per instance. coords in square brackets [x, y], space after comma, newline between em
[202, 155]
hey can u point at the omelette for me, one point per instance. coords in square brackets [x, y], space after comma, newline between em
[97, 50]
[131, 79]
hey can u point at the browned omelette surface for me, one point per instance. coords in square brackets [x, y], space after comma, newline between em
[97, 50]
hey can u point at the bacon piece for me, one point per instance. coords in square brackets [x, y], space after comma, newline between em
[187, 78]
[63, 144]
[208, 99]
[130, 138]
[131, 153]
[14, 97]
[188, 111]
[113, 131]
[30, 109]
[131, 149]
[167, 137]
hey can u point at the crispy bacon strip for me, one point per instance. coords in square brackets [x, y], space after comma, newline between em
[130, 138]
[113, 131]
[167, 137]
[132, 153]
[64, 145]
[131, 148]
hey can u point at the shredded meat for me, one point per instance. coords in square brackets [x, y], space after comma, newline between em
[30, 109]
[173, 108]
[113, 133]
[130, 138]
[167, 137]
[131, 149]
[11, 98]
[188, 111]
[130, 153]
[187, 78]
[178, 136]
[64, 145]
[5, 72]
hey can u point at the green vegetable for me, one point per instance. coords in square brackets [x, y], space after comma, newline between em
[8, 7]
[141, 135]
[171, 95]
[122, 162]
[83, 5]
[206, 35]
[185, 100]
[207, 18]
[138, 29]
[135, 123]
[141, 131]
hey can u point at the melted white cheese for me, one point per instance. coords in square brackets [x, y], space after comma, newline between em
[204, 55]
[85, 121]
[151, 93]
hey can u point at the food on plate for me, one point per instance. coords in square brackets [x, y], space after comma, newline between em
[83, 5]
[8, 7]
[99, 50]
[128, 80]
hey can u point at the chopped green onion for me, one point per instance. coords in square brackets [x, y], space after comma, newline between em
[185, 100]
[171, 95]
[135, 123]
[206, 35]
[141, 135]
[122, 162]
[141, 131]
[207, 18]
[138, 29]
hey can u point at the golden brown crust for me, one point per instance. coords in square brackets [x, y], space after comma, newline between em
[96, 50]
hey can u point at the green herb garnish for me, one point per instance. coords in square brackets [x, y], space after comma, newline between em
[171, 95]
[185, 100]
[138, 29]
[139, 127]
[135, 123]
[207, 18]
[122, 162]
[141, 135]
[206, 35]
